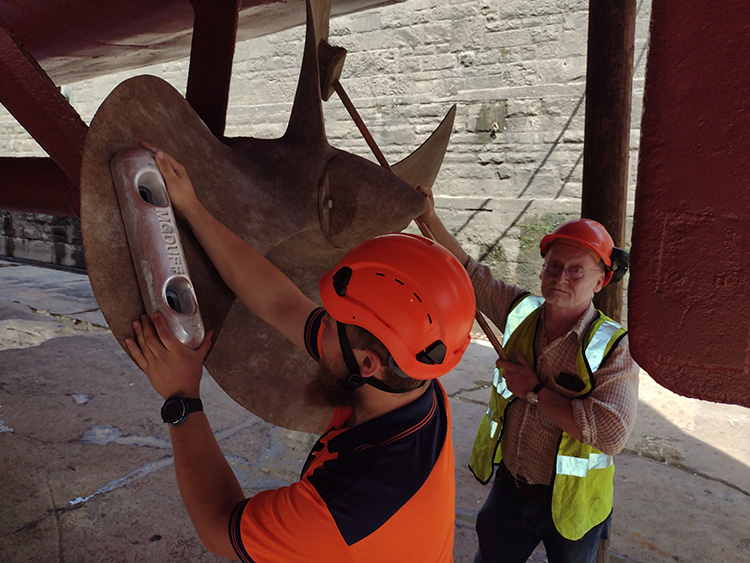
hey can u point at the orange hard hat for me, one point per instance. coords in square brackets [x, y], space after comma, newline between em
[412, 294]
[587, 233]
[592, 236]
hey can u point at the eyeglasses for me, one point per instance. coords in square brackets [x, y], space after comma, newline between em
[573, 272]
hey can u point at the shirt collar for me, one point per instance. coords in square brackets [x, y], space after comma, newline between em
[584, 321]
[400, 422]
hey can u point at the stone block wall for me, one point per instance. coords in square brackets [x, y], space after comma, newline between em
[42, 238]
[515, 69]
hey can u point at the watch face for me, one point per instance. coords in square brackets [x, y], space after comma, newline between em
[173, 410]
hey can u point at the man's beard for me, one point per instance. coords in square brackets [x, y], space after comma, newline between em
[328, 389]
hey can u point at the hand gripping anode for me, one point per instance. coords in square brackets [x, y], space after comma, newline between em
[155, 244]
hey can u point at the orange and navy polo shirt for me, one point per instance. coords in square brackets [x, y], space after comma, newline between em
[381, 491]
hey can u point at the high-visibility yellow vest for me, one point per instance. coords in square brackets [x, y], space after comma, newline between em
[583, 483]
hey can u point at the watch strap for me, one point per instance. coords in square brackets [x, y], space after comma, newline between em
[538, 387]
[175, 410]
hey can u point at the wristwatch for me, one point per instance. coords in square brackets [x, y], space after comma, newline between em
[533, 396]
[175, 409]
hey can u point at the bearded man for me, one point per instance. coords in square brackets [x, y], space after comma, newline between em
[379, 483]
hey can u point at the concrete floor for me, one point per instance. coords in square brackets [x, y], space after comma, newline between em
[86, 467]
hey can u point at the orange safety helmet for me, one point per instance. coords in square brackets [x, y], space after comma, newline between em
[412, 294]
[592, 236]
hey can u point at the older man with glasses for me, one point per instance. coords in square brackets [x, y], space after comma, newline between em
[561, 408]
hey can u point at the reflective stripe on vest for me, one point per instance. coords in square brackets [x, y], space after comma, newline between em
[494, 427]
[528, 305]
[500, 385]
[597, 348]
[579, 467]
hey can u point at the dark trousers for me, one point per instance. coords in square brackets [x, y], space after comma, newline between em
[512, 522]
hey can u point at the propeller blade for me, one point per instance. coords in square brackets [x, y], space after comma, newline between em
[321, 14]
[421, 167]
[306, 126]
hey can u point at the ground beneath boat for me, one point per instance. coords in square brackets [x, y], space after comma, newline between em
[86, 463]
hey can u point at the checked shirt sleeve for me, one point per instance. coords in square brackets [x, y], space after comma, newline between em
[494, 297]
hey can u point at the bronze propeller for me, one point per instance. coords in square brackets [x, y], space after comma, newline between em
[297, 199]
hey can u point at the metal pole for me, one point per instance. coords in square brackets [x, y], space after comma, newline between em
[211, 55]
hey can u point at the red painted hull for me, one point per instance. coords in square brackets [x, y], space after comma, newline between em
[75, 40]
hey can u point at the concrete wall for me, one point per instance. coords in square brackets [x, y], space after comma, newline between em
[515, 70]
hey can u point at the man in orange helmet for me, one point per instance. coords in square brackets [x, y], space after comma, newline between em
[561, 408]
[378, 485]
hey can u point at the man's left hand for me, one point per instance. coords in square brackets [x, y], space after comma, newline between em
[519, 377]
[171, 367]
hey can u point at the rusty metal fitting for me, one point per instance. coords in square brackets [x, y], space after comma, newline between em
[155, 245]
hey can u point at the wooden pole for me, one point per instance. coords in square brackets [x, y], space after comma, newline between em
[423, 228]
[609, 87]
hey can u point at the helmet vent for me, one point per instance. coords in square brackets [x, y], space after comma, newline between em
[429, 318]
[341, 280]
[418, 298]
[398, 281]
[433, 354]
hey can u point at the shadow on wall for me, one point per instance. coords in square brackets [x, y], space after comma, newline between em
[492, 251]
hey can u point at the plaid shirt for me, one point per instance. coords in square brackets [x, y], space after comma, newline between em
[605, 417]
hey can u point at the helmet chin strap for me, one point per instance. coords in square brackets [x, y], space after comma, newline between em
[356, 379]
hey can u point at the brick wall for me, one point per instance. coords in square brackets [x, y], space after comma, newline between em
[515, 70]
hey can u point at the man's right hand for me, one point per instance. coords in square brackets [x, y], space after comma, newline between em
[429, 215]
[438, 230]
[179, 186]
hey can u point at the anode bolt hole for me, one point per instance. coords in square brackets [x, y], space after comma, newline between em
[180, 296]
[173, 300]
[151, 188]
[146, 194]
